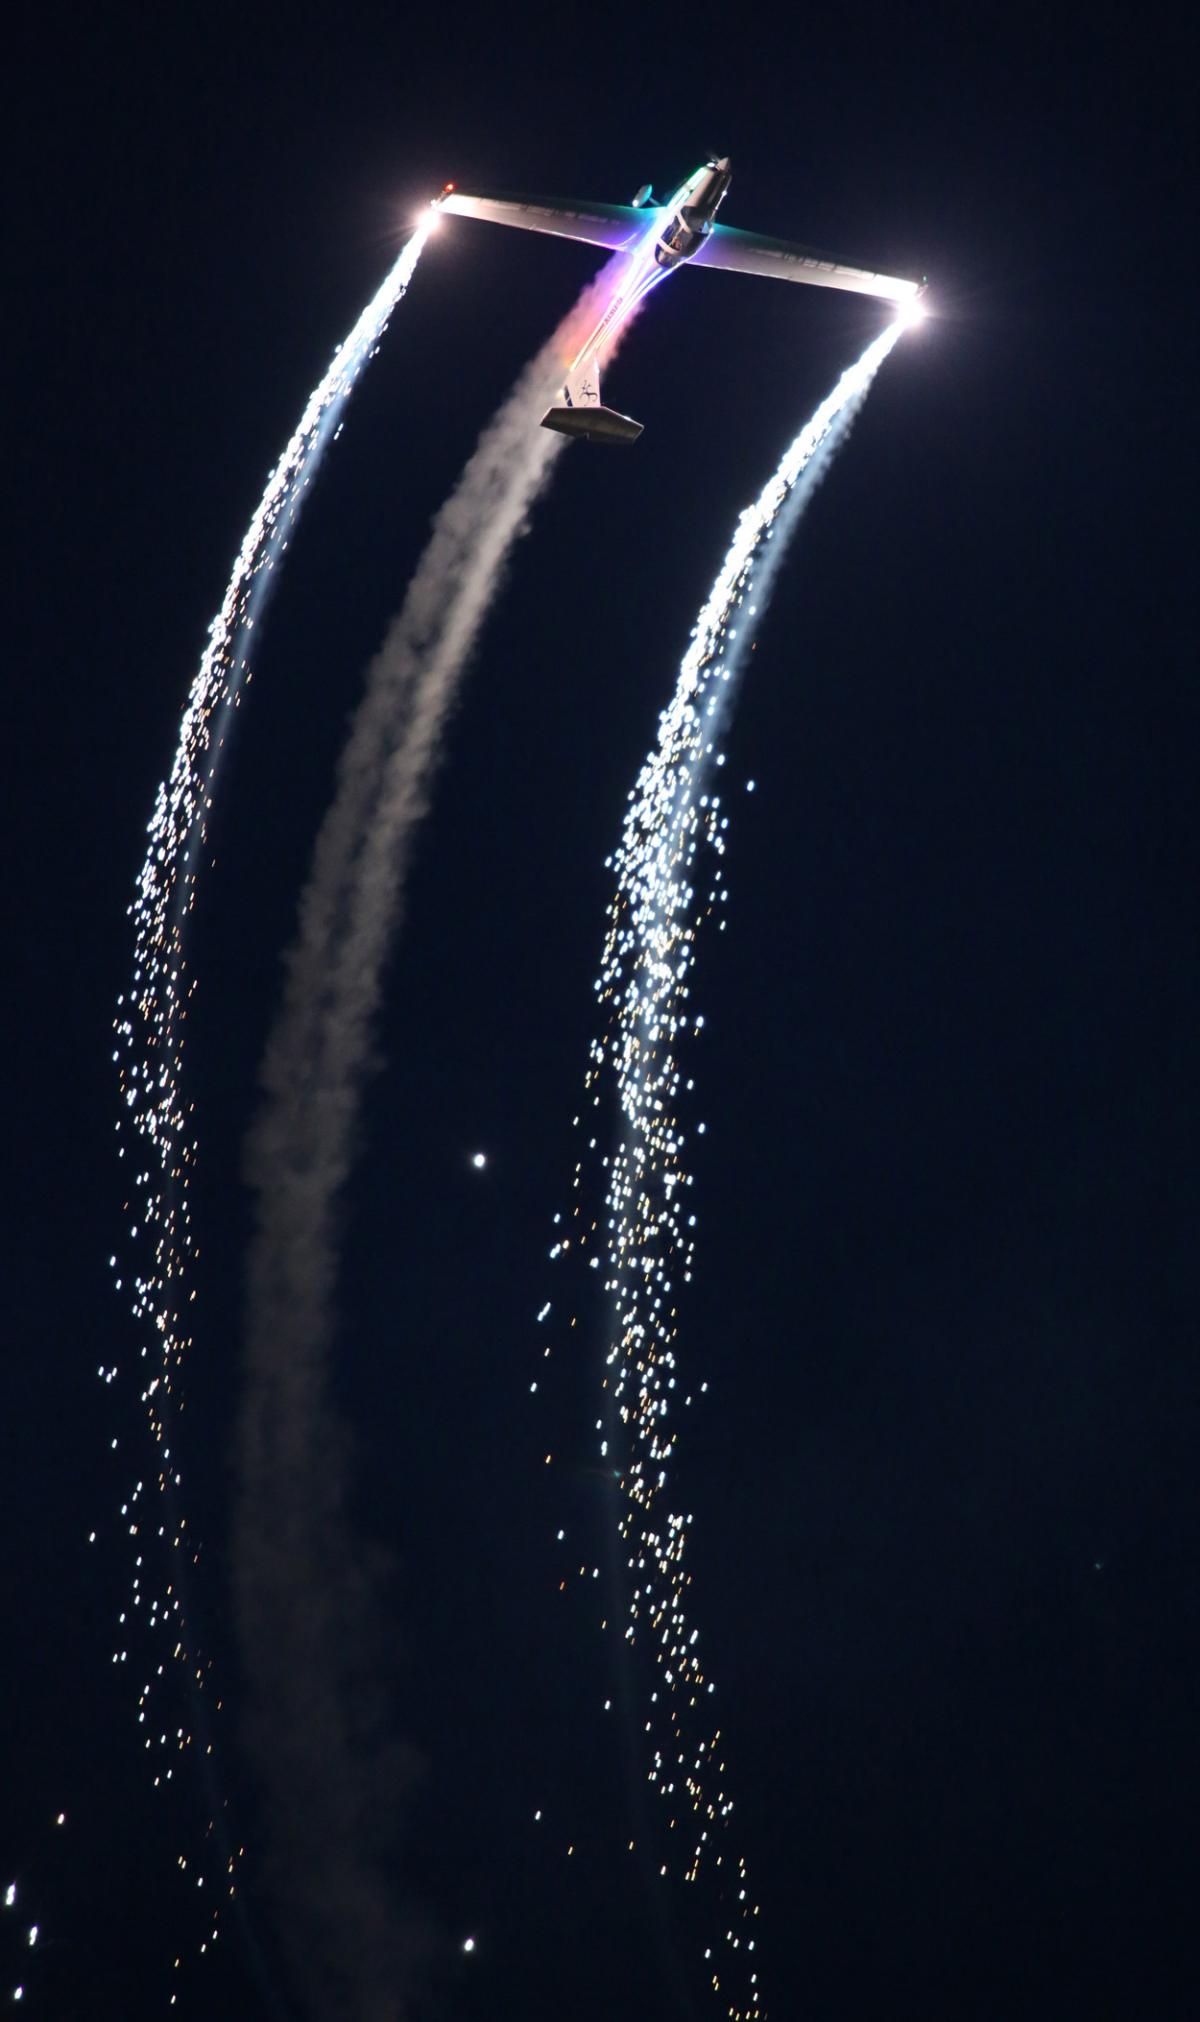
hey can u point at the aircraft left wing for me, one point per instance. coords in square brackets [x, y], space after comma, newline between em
[611, 225]
[747, 253]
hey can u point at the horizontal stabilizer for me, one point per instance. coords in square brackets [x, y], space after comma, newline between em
[592, 424]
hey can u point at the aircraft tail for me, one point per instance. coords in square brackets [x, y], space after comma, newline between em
[592, 424]
[582, 414]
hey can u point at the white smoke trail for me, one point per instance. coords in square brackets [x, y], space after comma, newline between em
[307, 1615]
[645, 1236]
[156, 1129]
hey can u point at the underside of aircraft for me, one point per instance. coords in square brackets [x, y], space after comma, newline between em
[658, 239]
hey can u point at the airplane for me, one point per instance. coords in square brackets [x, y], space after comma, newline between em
[659, 238]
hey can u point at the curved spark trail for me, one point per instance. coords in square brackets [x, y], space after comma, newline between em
[156, 1130]
[647, 1246]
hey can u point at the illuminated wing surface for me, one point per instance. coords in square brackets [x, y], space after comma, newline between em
[747, 253]
[613, 225]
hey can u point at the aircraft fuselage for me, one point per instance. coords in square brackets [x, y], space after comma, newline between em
[692, 223]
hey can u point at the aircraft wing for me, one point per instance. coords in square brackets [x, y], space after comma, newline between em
[611, 225]
[747, 253]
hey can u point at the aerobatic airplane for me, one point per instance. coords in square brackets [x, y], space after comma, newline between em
[658, 238]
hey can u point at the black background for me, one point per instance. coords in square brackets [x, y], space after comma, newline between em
[946, 1528]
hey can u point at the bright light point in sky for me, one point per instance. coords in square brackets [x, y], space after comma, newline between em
[479, 1160]
[468, 1944]
[10, 1895]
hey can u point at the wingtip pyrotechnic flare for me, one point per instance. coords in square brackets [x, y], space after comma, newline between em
[915, 311]
[430, 216]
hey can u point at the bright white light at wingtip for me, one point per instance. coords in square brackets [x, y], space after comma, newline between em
[912, 313]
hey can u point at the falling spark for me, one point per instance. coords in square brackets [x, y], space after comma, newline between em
[156, 1128]
[647, 1242]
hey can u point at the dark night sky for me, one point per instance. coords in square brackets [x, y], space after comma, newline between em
[947, 1530]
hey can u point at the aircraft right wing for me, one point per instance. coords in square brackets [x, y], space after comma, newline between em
[747, 253]
[611, 225]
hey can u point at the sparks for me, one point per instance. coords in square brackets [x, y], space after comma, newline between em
[156, 1127]
[647, 1243]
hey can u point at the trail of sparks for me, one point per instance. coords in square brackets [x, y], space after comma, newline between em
[24, 1940]
[647, 1244]
[156, 1130]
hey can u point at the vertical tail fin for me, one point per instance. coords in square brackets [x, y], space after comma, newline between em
[582, 386]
